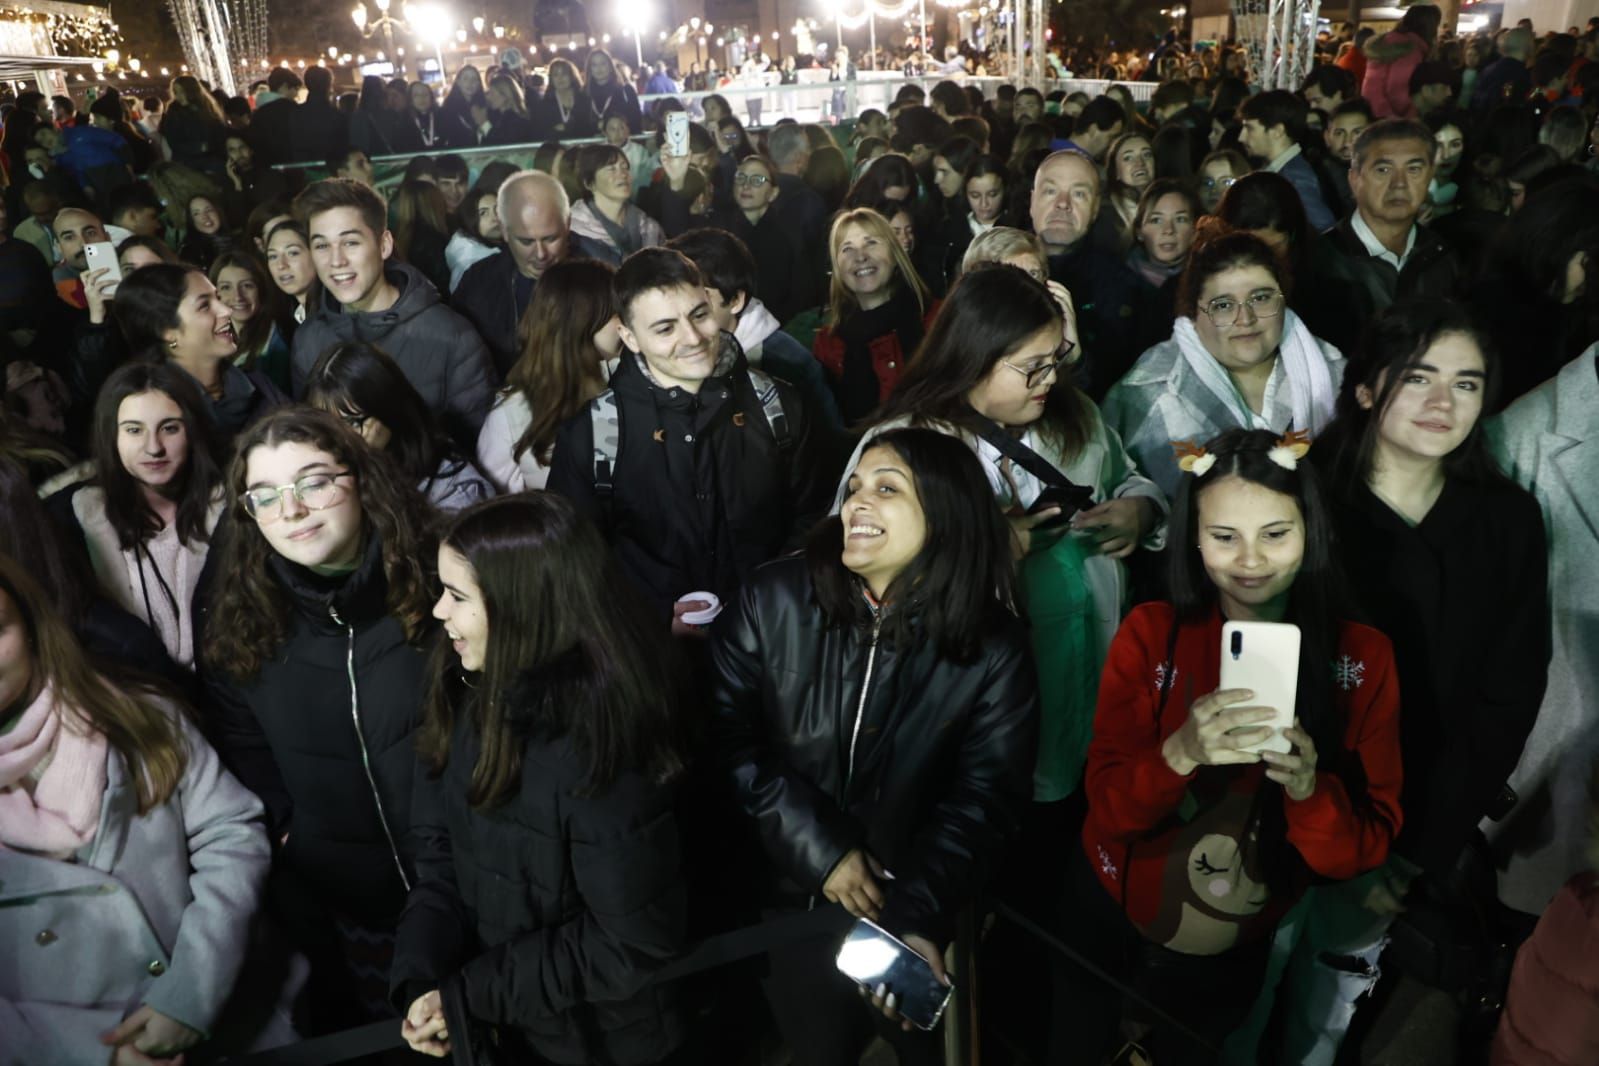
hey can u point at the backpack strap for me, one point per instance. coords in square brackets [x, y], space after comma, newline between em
[607, 431]
[772, 407]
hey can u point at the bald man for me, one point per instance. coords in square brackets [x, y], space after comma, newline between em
[1118, 315]
[1508, 79]
[535, 217]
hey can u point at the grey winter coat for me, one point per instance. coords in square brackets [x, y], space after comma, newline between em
[440, 353]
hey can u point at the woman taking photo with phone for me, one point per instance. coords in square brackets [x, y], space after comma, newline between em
[550, 881]
[1447, 557]
[1197, 841]
[148, 515]
[367, 391]
[314, 668]
[877, 706]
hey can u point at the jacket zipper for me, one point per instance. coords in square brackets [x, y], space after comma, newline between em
[360, 737]
[860, 712]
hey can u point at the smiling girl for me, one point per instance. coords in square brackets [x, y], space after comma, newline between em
[148, 516]
[549, 871]
[313, 664]
[241, 283]
[172, 312]
[1447, 557]
[1195, 844]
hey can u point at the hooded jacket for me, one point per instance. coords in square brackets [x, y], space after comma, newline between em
[838, 740]
[439, 352]
[1390, 60]
[324, 734]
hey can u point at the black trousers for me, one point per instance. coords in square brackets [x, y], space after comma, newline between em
[1209, 994]
[823, 1018]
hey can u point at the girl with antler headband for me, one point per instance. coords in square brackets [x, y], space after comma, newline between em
[1197, 842]
[1238, 356]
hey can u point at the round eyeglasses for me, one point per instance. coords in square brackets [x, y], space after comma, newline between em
[1225, 310]
[316, 492]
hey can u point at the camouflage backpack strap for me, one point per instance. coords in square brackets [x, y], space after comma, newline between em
[607, 428]
[772, 407]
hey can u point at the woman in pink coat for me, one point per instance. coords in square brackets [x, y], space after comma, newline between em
[1392, 57]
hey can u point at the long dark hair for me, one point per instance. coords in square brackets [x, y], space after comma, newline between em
[1264, 200]
[991, 310]
[256, 333]
[355, 378]
[1219, 249]
[960, 585]
[559, 370]
[1316, 604]
[125, 505]
[560, 616]
[147, 302]
[1397, 338]
[250, 617]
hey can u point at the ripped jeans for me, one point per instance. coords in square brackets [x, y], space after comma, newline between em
[1333, 964]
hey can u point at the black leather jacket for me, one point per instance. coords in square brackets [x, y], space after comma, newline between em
[837, 740]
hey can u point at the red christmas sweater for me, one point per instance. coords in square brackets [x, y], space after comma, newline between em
[1180, 852]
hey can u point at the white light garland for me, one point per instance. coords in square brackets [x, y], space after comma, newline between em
[875, 10]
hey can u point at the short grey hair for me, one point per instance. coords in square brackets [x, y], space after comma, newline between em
[1001, 243]
[787, 143]
[527, 182]
[1392, 129]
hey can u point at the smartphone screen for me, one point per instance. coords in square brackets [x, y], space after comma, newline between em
[103, 254]
[870, 956]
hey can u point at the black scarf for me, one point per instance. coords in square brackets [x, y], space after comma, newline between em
[858, 387]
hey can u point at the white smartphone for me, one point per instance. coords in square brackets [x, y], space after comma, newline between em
[1264, 658]
[103, 254]
[677, 133]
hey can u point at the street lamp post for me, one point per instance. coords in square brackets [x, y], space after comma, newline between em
[385, 23]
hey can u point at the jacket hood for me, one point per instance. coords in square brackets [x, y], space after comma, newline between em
[417, 294]
[755, 325]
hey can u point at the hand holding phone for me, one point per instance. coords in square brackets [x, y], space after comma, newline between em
[901, 981]
[677, 133]
[1264, 658]
[103, 256]
[1069, 498]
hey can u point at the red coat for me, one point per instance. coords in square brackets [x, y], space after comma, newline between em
[888, 361]
[1183, 844]
[1552, 1013]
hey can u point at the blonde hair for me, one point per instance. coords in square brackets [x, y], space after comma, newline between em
[841, 301]
[1000, 244]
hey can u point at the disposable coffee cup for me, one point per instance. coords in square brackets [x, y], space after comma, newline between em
[708, 615]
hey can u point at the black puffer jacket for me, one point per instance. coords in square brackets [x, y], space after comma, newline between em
[324, 735]
[943, 758]
[548, 912]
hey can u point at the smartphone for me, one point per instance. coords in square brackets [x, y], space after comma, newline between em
[1070, 500]
[1264, 658]
[103, 254]
[677, 133]
[872, 956]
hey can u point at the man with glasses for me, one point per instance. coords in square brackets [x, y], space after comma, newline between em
[1379, 254]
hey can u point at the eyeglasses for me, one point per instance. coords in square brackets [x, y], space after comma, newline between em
[1224, 310]
[355, 422]
[756, 180]
[731, 136]
[1037, 374]
[317, 492]
[1219, 183]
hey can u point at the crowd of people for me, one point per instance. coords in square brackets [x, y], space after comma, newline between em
[451, 603]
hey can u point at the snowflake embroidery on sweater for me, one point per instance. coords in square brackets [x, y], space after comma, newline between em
[1349, 674]
[1106, 863]
[1165, 676]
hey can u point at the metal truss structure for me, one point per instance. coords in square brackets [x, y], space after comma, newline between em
[222, 39]
[1279, 37]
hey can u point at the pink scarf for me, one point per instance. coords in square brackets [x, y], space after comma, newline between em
[63, 812]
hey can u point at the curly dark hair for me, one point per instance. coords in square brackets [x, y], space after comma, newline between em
[250, 618]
